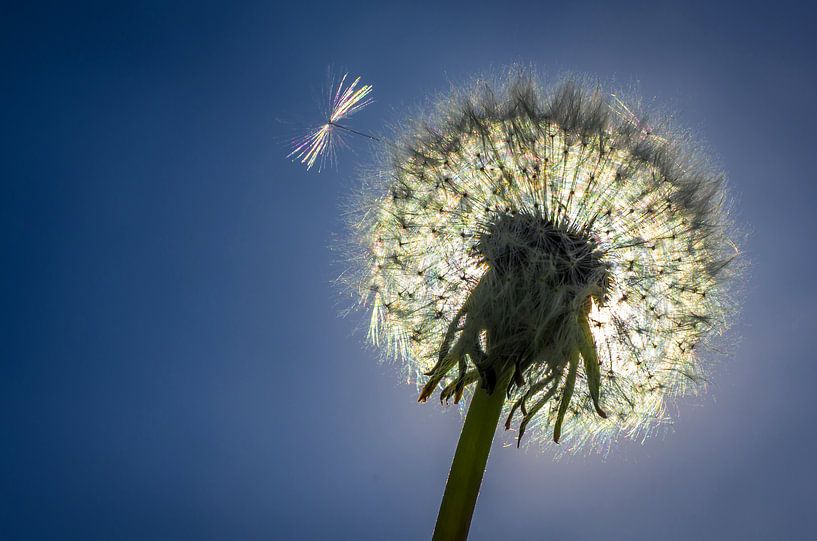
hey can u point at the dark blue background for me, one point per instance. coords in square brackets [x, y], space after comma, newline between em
[171, 361]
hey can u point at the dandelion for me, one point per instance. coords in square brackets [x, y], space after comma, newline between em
[550, 255]
[319, 144]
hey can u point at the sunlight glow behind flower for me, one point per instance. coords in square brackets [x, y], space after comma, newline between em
[513, 228]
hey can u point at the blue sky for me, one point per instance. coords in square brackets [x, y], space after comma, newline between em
[172, 363]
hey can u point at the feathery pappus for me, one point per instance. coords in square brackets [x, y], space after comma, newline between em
[319, 144]
[549, 233]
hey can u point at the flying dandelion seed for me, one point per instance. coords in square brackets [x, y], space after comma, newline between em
[551, 255]
[319, 144]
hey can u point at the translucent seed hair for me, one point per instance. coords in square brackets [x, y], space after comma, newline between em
[553, 233]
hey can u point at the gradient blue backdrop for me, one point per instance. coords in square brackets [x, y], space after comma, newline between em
[171, 361]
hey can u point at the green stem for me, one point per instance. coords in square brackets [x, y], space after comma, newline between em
[465, 478]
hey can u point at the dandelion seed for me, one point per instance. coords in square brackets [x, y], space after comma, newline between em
[618, 107]
[319, 145]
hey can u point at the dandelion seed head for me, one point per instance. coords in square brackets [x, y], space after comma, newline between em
[554, 234]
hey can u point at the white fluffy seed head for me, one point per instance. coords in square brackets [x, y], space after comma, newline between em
[512, 214]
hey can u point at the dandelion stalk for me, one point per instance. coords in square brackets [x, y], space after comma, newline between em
[470, 458]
